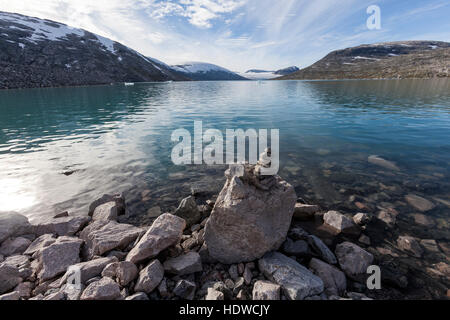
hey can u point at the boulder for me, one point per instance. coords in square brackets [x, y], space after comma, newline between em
[102, 236]
[12, 224]
[39, 243]
[9, 277]
[410, 245]
[57, 257]
[295, 280]
[103, 289]
[321, 249]
[185, 289]
[24, 289]
[150, 277]
[333, 279]
[65, 226]
[188, 210]
[106, 211]
[117, 198]
[353, 259]
[21, 263]
[12, 246]
[305, 211]
[265, 290]
[185, 264]
[250, 217]
[419, 203]
[165, 232]
[339, 222]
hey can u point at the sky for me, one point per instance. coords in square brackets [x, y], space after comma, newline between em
[244, 34]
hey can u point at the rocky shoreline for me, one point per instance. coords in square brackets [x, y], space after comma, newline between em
[255, 241]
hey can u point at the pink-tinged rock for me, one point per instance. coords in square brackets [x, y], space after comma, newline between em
[103, 289]
[39, 243]
[13, 224]
[103, 236]
[56, 258]
[117, 198]
[106, 211]
[165, 232]
[185, 264]
[126, 272]
[150, 277]
[65, 226]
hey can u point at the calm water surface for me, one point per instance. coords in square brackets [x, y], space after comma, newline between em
[117, 138]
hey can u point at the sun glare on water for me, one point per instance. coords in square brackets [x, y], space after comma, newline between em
[15, 195]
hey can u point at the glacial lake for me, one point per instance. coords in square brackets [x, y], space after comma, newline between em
[60, 148]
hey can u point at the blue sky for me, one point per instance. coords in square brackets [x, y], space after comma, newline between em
[244, 34]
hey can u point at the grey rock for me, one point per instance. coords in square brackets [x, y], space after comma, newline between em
[88, 270]
[184, 264]
[353, 259]
[265, 290]
[419, 203]
[55, 296]
[9, 277]
[24, 289]
[248, 275]
[430, 245]
[214, 295]
[162, 289]
[126, 272]
[321, 249]
[188, 210]
[185, 289]
[247, 222]
[140, 296]
[117, 198]
[57, 257]
[150, 277]
[297, 248]
[12, 224]
[39, 243]
[65, 226]
[21, 263]
[296, 281]
[233, 272]
[104, 289]
[333, 279]
[338, 221]
[165, 232]
[297, 233]
[107, 211]
[103, 236]
[110, 270]
[12, 246]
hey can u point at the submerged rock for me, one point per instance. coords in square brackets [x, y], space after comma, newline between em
[250, 217]
[296, 281]
[165, 231]
[383, 163]
[410, 245]
[353, 259]
[419, 203]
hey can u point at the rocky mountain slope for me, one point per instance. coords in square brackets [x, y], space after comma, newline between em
[257, 74]
[43, 53]
[205, 71]
[405, 59]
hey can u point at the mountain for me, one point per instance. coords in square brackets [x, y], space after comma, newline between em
[205, 71]
[258, 74]
[403, 59]
[43, 53]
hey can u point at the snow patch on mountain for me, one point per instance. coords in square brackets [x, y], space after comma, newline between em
[194, 67]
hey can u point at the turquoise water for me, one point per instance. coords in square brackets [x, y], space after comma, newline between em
[117, 138]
